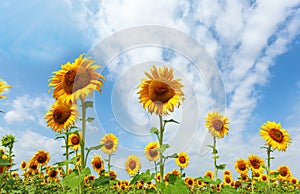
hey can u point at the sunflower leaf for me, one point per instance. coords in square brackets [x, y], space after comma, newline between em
[221, 166]
[86, 171]
[154, 130]
[90, 119]
[73, 180]
[175, 155]
[164, 147]
[102, 180]
[95, 147]
[88, 104]
[171, 120]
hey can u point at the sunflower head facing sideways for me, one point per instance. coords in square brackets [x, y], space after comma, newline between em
[41, 157]
[217, 124]
[76, 80]
[151, 151]
[275, 136]
[97, 164]
[256, 163]
[74, 141]
[61, 116]
[159, 92]
[3, 88]
[110, 143]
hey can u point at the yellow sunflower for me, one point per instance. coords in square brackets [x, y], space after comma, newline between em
[182, 160]
[210, 174]
[76, 80]
[284, 173]
[159, 93]
[227, 172]
[217, 124]
[61, 116]
[275, 136]
[23, 165]
[293, 180]
[132, 165]
[256, 163]
[110, 142]
[227, 180]
[32, 167]
[3, 88]
[52, 173]
[74, 141]
[244, 177]
[263, 178]
[151, 151]
[97, 164]
[189, 181]
[41, 157]
[241, 166]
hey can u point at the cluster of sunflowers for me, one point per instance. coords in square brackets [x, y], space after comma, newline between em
[160, 94]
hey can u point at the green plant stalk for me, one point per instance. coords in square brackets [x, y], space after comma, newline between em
[82, 145]
[269, 166]
[215, 159]
[161, 134]
[108, 163]
[67, 152]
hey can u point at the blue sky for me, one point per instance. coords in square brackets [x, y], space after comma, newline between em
[254, 44]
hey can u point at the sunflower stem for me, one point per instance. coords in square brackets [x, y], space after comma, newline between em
[108, 164]
[215, 158]
[67, 152]
[269, 166]
[161, 165]
[82, 142]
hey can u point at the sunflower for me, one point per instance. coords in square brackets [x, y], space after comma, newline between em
[97, 164]
[227, 180]
[263, 178]
[74, 141]
[52, 173]
[275, 136]
[241, 166]
[182, 160]
[217, 124]
[76, 80]
[23, 165]
[41, 157]
[132, 165]
[159, 92]
[110, 143]
[175, 172]
[284, 173]
[237, 184]
[244, 177]
[32, 167]
[189, 181]
[256, 163]
[3, 88]
[61, 116]
[151, 151]
[227, 172]
[210, 174]
[293, 180]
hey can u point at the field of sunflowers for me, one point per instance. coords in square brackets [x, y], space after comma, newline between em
[159, 93]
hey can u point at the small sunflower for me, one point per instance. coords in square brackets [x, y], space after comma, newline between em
[32, 167]
[74, 141]
[256, 163]
[227, 180]
[293, 180]
[3, 88]
[275, 136]
[76, 80]
[97, 164]
[244, 177]
[241, 166]
[217, 124]
[23, 165]
[61, 116]
[52, 173]
[227, 172]
[284, 173]
[110, 142]
[182, 160]
[159, 93]
[210, 174]
[41, 157]
[132, 165]
[189, 181]
[263, 178]
[151, 151]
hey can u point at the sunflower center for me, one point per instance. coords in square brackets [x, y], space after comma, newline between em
[98, 164]
[264, 178]
[276, 135]
[75, 140]
[33, 166]
[160, 92]
[255, 164]
[23, 165]
[182, 159]
[242, 166]
[42, 157]
[61, 114]
[132, 164]
[217, 124]
[109, 144]
[227, 180]
[283, 171]
[53, 173]
[153, 153]
[76, 79]
[190, 182]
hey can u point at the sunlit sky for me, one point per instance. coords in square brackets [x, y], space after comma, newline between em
[254, 44]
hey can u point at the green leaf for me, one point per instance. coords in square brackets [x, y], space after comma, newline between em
[73, 180]
[101, 180]
[88, 104]
[90, 119]
[164, 147]
[171, 121]
[154, 130]
[86, 171]
[95, 147]
[221, 166]
[175, 155]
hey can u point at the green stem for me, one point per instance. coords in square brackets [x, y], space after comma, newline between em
[67, 152]
[108, 164]
[161, 165]
[215, 158]
[82, 146]
[252, 186]
[269, 166]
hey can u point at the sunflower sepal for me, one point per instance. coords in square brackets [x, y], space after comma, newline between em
[154, 130]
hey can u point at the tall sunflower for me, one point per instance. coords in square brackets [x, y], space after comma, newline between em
[61, 116]
[76, 80]
[97, 164]
[217, 124]
[256, 163]
[110, 142]
[152, 152]
[132, 165]
[41, 157]
[74, 141]
[275, 136]
[241, 166]
[182, 160]
[159, 93]
[3, 88]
